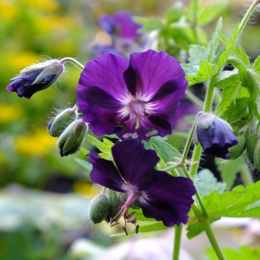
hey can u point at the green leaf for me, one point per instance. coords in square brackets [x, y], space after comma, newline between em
[227, 78]
[229, 46]
[242, 253]
[213, 44]
[149, 24]
[87, 165]
[229, 169]
[211, 11]
[233, 203]
[165, 151]
[206, 183]
[206, 71]
[195, 229]
[174, 13]
[236, 110]
[229, 94]
[256, 65]
[105, 146]
[196, 54]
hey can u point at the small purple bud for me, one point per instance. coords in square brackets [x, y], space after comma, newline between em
[36, 78]
[71, 139]
[214, 135]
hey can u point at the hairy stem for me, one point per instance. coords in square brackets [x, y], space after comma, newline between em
[177, 242]
[73, 61]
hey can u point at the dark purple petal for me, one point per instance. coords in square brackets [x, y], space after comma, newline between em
[217, 138]
[105, 173]
[135, 164]
[169, 199]
[156, 69]
[130, 77]
[22, 84]
[97, 97]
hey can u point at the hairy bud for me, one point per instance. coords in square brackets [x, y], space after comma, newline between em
[98, 208]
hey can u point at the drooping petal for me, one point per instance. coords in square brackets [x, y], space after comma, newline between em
[169, 199]
[105, 173]
[214, 135]
[154, 69]
[135, 163]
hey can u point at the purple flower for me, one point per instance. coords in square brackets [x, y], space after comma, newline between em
[136, 98]
[215, 135]
[121, 25]
[36, 78]
[160, 195]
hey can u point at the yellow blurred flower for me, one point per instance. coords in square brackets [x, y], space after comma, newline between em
[85, 188]
[36, 143]
[10, 112]
[48, 5]
[23, 60]
[8, 10]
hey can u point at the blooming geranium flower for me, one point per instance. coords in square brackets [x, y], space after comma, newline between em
[160, 195]
[136, 98]
[121, 24]
[215, 135]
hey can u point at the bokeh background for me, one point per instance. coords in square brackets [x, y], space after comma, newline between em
[44, 197]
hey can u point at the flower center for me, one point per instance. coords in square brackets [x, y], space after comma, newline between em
[136, 109]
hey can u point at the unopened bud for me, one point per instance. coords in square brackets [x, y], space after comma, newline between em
[36, 78]
[236, 150]
[98, 208]
[71, 139]
[59, 123]
[257, 156]
[250, 147]
[114, 205]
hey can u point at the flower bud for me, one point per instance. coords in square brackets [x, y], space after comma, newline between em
[257, 155]
[98, 208]
[250, 147]
[114, 205]
[214, 135]
[36, 78]
[58, 124]
[238, 149]
[71, 139]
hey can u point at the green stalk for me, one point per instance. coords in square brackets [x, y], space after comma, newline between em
[247, 16]
[73, 61]
[177, 242]
[246, 176]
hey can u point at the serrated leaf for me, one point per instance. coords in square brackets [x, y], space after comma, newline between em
[206, 183]
[206, 71]
[211, 11]
[256, 65]
[233, 203]
[229, 169]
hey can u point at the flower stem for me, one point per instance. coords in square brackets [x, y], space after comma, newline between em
[212, 239]
[177, 242]
[246, 176]
[74, 61]
[247, 16]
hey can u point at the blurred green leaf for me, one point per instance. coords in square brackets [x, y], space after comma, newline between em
[206, 183]
[174, 13]
[149, 24]
[209, 12]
